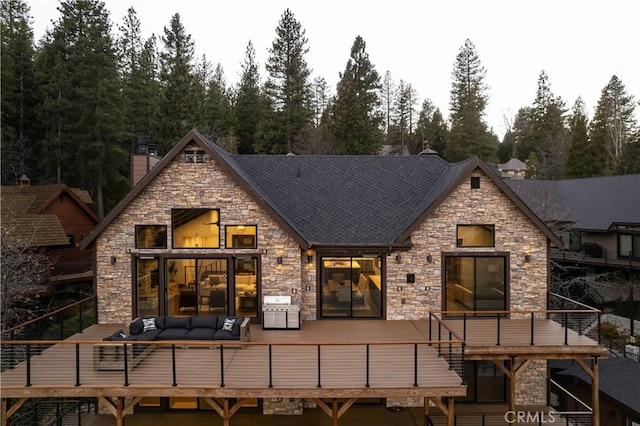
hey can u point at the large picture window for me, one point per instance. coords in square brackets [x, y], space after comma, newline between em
[195, 228]
[475, 283]
[475, 236]
[629, 246]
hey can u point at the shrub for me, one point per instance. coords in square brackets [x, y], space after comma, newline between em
[609, 331]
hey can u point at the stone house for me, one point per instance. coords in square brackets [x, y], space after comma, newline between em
[404, 235]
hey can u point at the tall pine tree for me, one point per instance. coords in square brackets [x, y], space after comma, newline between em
[356, 121]
[247, 105]
[585, 157]
[613, 124]
[469, 135]
[177, 112]
[83, 108]
[288, 83]
[19, 93]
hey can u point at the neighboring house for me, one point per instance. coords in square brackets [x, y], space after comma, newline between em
[597, 218]
[52, 219]
[513, 169]
[619, 383]
[395, 240]
[394, 150]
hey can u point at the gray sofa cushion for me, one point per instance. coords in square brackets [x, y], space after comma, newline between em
[204, 322]
[173, 334]
[201, 334]
[177, 322]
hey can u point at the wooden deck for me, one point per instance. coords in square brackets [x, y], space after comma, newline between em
[243, 371]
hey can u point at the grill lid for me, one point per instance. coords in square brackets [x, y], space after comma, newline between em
[277, 300]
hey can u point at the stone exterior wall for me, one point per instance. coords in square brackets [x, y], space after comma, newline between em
[192, 185]
[206, 185]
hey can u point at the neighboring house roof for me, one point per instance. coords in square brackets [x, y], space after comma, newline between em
[619, 379]
[23, 218]
[339, 200]
[595, 203]
[513, 165]
[393, 150]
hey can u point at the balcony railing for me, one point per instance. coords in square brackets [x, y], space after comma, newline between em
[249, 365]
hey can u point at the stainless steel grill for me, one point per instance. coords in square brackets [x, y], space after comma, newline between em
[278, 312]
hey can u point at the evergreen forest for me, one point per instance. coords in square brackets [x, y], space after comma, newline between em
[74, 103]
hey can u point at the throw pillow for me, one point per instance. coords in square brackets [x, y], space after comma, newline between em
[228, 324]
[149, 324]
[121, 334]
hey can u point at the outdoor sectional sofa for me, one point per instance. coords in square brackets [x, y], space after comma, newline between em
[109, 355]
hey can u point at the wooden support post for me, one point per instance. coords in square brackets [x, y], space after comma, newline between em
[426, 409]
[512, 384]
[451, 415]
[4, 418]
[334, 412]
[119, 412]
[226, 418]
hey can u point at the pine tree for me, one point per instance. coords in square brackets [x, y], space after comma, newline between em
[469, 135]
[613, 122]
[137, 60]
[355, 117]
[288, 82]
[177, 114]
[19, 93]
[247, 105]
[402, 117]
[547, 134]
[83, 106]
[387, 96]
[585, 157]
[431, 129]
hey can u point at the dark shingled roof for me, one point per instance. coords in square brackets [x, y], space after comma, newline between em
[619, 379]
[592, 203]
[345, 200]
[337, 200]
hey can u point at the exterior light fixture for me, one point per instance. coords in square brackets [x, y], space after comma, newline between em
[309, 258]
[398, 258]
[113, 260]
[279, 260]
[527, 258]
[429, 258]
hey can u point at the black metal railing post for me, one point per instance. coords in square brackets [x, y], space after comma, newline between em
[222, 366]
[498, 331]
[367, 367]
[319, 370]
[462, 367]
[430, 319]
[77, 364]
[28, 365]
[270, 368]
[532, 331]
[439, 339]
[566, 328]
[450, 351]
[464, 326]
[415, 365]
[126, 363]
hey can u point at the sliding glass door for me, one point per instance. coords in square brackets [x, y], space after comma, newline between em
[351, 287]
[475, 283]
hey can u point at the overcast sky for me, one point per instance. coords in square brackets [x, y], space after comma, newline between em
[580, 44]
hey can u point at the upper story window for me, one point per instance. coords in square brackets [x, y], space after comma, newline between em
[475, 236]
[195, 228]
[241, 236]
[151, 236]
[629, 246]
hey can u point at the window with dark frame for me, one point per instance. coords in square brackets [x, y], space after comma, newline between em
[475, 235]
[475, 182]
[195, 228]
[241, 236]
[151, 236]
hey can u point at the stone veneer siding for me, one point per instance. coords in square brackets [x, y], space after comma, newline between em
[191, 185]
[205, 185]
